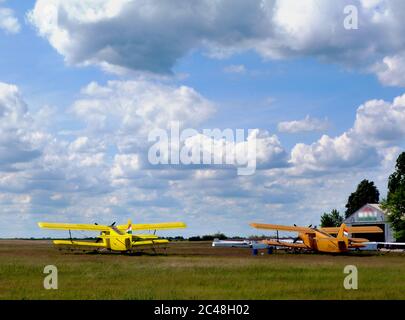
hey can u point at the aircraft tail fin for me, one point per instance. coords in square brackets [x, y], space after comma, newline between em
[129, 228]
[343, 231]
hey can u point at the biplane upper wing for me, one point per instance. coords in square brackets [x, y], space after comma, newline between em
[285, 244]
[96, 227]
[72, 226]
[281, 227]
[154, 226]
[364, 229]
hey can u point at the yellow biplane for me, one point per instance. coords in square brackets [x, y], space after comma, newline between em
[113, 237]
[320, 240]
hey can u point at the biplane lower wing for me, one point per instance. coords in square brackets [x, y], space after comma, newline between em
[150, 242]
[79, 243]
[281, 228]
[358, 240]
[364, 229]
[139, 237]
[356, 245]
[101, 245]
[285, 244]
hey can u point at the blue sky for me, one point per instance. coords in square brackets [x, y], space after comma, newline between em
[72, 156]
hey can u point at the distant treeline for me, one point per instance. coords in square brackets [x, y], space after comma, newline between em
[207, 237]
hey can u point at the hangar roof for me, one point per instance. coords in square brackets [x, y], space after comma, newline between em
[369, 213]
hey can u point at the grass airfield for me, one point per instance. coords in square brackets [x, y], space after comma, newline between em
[195, 270]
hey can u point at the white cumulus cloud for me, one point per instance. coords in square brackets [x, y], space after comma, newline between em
[235, 68]
[144, 35]
[140, 106]
[378, 127]
[8, 22]
[260, 146]
[98, 173]
[19, 141]
[380, 122]
[305, 125]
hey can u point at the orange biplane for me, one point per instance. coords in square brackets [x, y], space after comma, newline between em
[320, 240]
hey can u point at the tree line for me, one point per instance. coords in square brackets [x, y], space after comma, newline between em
[367, 192]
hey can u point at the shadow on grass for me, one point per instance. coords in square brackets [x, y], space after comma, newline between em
[341, 254]
[112, 253]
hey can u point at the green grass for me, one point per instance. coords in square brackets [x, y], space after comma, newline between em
[200, 273]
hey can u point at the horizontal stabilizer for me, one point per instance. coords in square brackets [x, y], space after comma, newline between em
[155, 226]
[364, 229]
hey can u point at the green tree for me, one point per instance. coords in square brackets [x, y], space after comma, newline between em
[366, 192]
[332, 219]
[395, 202]
[397, 179]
